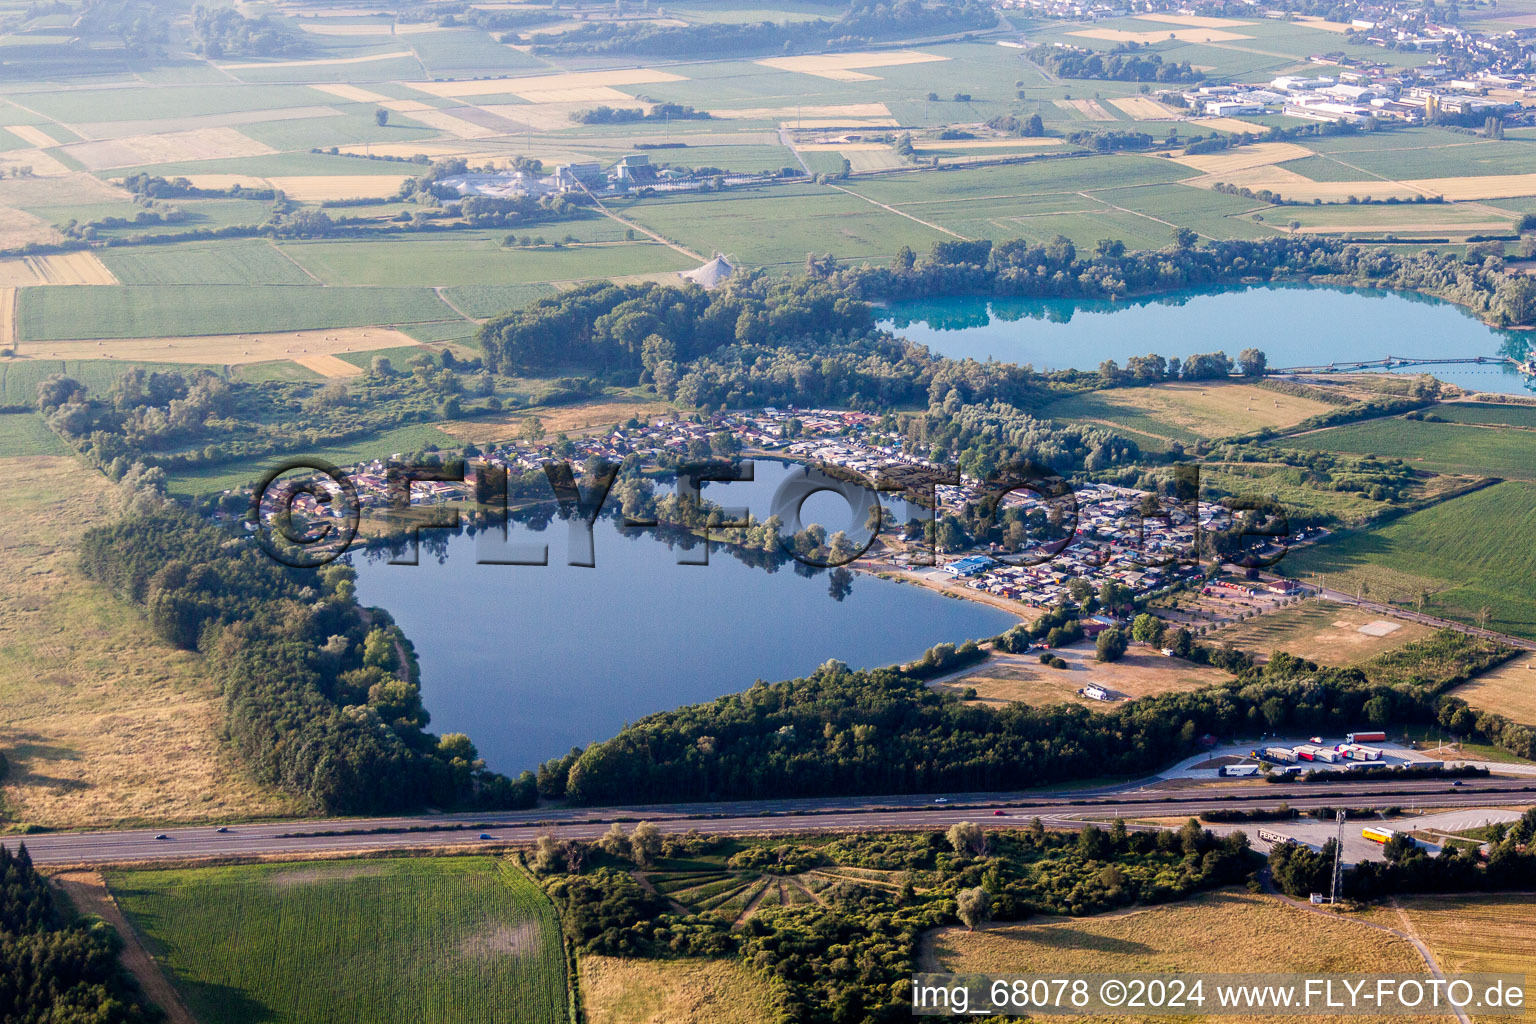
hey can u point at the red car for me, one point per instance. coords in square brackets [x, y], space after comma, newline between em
[997, 814]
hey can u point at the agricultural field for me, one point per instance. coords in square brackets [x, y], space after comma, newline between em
[455, 940]
[1218, 932]
[1509, 689]
[88, 313]
[104, 724]
[476, 262]
[1471, 553]
[617, 991]
[252, 262]
[1437, 447]
[1005, 678]
[1470, 933]
[1487, 414]
[1187, 411]
[1321, 631]
[25, 433]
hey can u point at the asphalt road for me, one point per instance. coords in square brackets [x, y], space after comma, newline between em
[777, 817]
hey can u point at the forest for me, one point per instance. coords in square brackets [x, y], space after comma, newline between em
[321, 696]
[1125, 63]
[850, 957]
[860, 23]
[840, 731]
[55, 970]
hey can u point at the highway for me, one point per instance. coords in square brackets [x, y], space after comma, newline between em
[1058, 809]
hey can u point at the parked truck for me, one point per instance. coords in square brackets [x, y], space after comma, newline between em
[1366, 753]
[1283, 754]
[1325, 754]
[1233, 771]
[1306, 752]
[1366, 737]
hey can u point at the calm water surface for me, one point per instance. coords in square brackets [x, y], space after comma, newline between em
[530, 661]
[1295, 325]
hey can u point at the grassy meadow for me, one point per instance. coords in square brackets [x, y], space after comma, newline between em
[104, 724]
[617, 991]
[439, 940]
[1438, 447]
[1319, 631]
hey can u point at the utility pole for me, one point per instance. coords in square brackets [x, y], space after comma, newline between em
[1338, 863]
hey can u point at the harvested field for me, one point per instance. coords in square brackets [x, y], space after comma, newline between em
[224, 181]
[1186, 410]
[1091, 109]
[1321, 631]
[1294, 186]
[584, 418]
[617, 991]
[577, 94]
[170, 147]
[1231, 124]
[32, 136]
[229, 349]
[1193, 20]
[1489, 186]
[352, 92]
[1509, 689]
[1218, 932]
[455, 126]
[42, 165]
[544, 117]
[823, 116]
[845, 67]
[1144, 109]
[541, 83]
[1261, 154]
[328, 365]
[315, 188]
[69, 268]
[840, 122]
[1183, 35]
[322, 62]
[19, 228]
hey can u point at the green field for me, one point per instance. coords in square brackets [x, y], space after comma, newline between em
[442, 940]
[476, 260]
[86, 312]
[234, 473]
[1487, 413]
[1475, 551]
[25, 433]
[1439, 447]
[238, 262]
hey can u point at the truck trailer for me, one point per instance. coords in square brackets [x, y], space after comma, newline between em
[1239, 770]
[1366, 737]
[1283, 754]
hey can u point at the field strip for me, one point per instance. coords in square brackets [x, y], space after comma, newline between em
[844, 67]
[1322, 24]
[43, 164]
[315, 188]
[228, 349]
[1260, 154]
[89, 893]
[1489, 186]
[169, 147]
[1192, 20]
[985, 143]
[823, 112]
[582, 94]
[322, 62]
[1183, 35]
[1231, 124]
[1441, 228]
[1144, 109]
[1088, 108]
[32, 136]
[892, 209]
[96, 131]
[352, 92]
[455, 126]
[70, 268]
[541, 83]
[327, 365]
[8, 318]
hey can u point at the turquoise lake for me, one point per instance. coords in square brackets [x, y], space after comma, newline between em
[1295, 325]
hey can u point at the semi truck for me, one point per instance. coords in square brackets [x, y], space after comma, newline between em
[1377, 834]
[1284, 754]
[1238, 770]
[1366, 737]
[1325, 754]
[1306, 752]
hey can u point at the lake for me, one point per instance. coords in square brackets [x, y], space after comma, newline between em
[532, 660]
[1295, 325]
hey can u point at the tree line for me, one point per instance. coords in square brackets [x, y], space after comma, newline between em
[1125, 63]
[320, 695]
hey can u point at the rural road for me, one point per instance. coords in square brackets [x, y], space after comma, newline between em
[778, 817]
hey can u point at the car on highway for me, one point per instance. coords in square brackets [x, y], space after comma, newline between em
[162, 835]
[486, 835]
[1455, 782]
[998, 814]
[942, 800]
[222, 828]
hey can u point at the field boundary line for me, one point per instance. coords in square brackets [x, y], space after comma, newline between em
[892, 209]
[302, 268]
[89, 892]
[442, 293]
